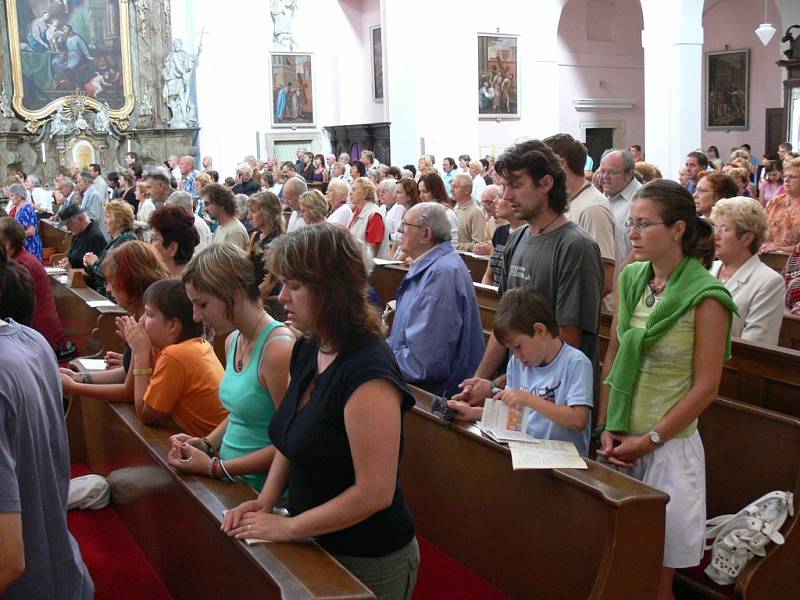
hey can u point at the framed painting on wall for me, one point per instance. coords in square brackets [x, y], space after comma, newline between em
[292, 90]
[727, 89]
[498, 76]
[376, 41]
[60, 47]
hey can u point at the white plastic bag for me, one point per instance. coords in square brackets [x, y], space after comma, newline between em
[89, 491]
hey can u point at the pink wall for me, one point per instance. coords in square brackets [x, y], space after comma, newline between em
[613, 55]
[732, 22]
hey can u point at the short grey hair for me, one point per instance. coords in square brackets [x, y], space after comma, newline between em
[86, 176]
[17, 189]
[66, 182]
[245, 169]
[35, 180]
[433, 215]
[491, 189]
[388, 184]
[464, 179]
[295, 183]
[241, 205]
[628, 161]
[189, 159]
[182, 199]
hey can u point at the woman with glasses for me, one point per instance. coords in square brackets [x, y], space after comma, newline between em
[783, 212]
[740, 225]
[670, 335]
[712, 187]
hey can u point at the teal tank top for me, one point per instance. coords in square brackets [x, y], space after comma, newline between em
[249, 405]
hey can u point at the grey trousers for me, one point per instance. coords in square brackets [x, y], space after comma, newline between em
[390, 577]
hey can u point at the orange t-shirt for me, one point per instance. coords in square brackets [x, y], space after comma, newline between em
[185, 384]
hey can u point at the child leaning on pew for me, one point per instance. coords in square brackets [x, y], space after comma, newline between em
[183, 381]
[544, 373]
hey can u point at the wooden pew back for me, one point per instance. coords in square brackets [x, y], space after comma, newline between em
[534, 534]
[176, 518]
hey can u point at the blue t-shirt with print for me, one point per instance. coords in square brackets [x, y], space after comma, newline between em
[566, 381]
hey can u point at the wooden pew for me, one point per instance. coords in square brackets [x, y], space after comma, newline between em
[476, 264]
[789, 336]
[775, 260]
[749, 452]
[176, 518]
[93, 329]
[534, 534]
[54, 235]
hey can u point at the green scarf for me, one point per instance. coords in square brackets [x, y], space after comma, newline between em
[689, 284]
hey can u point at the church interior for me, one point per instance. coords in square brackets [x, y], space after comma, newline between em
[397, 299]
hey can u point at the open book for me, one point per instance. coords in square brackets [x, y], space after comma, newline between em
[505, 424]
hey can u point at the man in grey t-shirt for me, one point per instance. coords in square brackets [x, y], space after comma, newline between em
[556, 257]
[38, 556]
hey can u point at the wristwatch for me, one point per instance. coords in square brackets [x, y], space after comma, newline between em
[655, 437]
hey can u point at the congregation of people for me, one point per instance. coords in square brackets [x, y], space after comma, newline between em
[307, 407]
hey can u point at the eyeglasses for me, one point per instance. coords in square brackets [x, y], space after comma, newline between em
[641, 226]
[721, 229]
[790, 177]
[610, 172]
[403, 226]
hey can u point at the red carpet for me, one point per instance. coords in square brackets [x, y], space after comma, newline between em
[118, 566]
[441, 576]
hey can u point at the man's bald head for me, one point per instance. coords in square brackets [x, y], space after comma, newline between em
[292, 190]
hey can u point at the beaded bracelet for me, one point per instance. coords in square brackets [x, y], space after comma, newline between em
[214, 470]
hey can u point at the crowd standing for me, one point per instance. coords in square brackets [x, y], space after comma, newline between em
[277, 260]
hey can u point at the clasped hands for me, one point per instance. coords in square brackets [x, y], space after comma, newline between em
[132, 331]
[623, 450]
[254, 520]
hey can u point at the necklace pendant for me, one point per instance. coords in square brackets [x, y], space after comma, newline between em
[650, 300]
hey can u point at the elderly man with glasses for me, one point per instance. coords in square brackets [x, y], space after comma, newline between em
[436, 336]
[616, 176]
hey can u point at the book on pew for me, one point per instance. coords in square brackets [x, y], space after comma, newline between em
[545, 454]
[55, 271]
[503, 424]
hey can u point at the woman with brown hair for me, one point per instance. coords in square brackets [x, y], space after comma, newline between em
[431, 189]
[338, 432]
[128, 270]
[407, 194]
[711, 187]
[670, 335]
[174, 237]
[220, 282]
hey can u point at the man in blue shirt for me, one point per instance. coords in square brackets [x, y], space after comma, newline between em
[449, 168]
[436, 337]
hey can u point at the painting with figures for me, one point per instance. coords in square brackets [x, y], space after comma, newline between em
[498, 83]
[292, 90]
[64, 46]
[727, 89]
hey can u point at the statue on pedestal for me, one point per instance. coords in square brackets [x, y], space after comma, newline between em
[61, 124]
[282, 17]
[101, 120]
[793, 52]
[177, 73]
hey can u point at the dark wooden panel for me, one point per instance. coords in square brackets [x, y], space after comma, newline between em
[537, 533]
[775, 260]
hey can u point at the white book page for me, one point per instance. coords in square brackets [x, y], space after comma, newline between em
[548, 454]
[92, 364]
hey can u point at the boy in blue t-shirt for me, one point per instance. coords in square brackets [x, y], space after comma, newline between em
[544, 373]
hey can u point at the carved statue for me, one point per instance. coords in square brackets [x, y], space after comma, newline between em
[177, 73]
[141, 12]
[793, 52]
[101, 120]
[5, 107]
[146, 103]
[61, 124]
[282, 17]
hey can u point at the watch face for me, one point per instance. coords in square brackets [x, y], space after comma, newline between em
[655, 437]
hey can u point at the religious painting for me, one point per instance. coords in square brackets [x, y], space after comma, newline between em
[727, 89]
[63, 47]
[377, 63]
[292, 90]
[498, 76]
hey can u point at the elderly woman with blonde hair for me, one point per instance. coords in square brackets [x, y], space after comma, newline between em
[337, 194]
[119, 220]
[367, 224]
[740, 226]
[313, 207]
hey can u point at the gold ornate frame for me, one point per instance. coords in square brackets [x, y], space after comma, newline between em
[37, 116]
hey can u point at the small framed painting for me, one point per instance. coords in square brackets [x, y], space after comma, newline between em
[292, 90]
[727, 90]
[498, 76]
[376, 42]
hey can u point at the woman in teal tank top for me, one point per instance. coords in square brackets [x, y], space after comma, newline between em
[220, 282]
[669, 337]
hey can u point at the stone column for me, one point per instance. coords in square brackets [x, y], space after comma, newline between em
[673, 57]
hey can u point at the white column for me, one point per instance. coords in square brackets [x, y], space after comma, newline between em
[673, 53]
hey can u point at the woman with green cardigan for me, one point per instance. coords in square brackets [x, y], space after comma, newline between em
[663, 367]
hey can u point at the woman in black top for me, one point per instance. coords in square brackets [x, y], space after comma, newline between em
[338, 430]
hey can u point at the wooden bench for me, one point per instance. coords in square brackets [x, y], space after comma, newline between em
[775, 260]
[789, 336]
[476, 264]
[749, 452]
[176, 518]
[93, 329]
[534, 534]
[54, 236]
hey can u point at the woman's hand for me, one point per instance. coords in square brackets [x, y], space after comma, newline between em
[623, 450]
[182, 438]
[89, 259]
[113, 359]
[69, 379]
[234, 516]
[474, 391]
[482, 248]
[264, 526]
[134, 334]
[189, 459]
[64, 263]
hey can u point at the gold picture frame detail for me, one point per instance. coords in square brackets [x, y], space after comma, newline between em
[119, 114]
